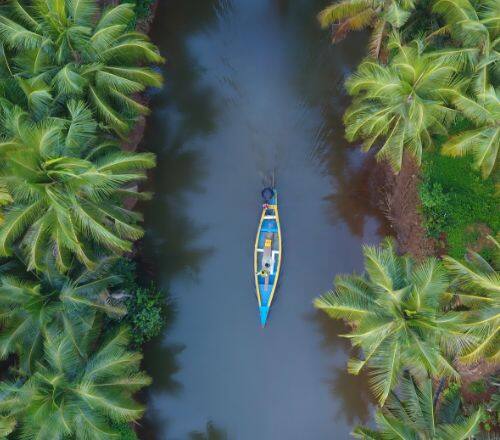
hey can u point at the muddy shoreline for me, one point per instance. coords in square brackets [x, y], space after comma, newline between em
[397, 195]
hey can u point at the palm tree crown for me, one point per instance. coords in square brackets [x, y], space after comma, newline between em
[64, 204]
[400, 104]
[483, 140]
[478, 289]
[413, 415]
[57, 51]
[475, 24]
[50, 301]
[396, 308]
[382, 15]
[70, 396]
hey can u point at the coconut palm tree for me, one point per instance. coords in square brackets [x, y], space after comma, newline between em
[70, 396]
[483, 140]
[476, 26]
[383, 16]
[33, 305]
[396, 310]
[401, 104]
[55, 51]
[413, 415]
[7, 425]
[478, 288]
[5, 199]
[67, 195]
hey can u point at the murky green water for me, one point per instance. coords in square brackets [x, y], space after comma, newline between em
[252, 86]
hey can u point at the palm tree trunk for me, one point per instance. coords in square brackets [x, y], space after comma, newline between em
[439, 391]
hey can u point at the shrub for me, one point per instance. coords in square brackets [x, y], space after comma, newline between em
[454, 198]
[434, 200]
[478, 386]
[124, 431]
[142, 7]
[145, 313]
[146, 306]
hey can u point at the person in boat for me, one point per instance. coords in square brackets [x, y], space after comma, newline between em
[265, 271]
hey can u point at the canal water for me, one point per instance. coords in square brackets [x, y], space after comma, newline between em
[253, 88]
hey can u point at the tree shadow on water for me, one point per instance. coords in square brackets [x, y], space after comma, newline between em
[357, 402]
[321, 69]
[183, 112]
[176, 22]
[171, 234]
[330, 330]
[355, 200]
[351, 392]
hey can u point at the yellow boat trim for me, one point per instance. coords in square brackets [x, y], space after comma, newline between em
[278, 268]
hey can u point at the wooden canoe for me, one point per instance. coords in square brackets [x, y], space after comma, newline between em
[267, 256]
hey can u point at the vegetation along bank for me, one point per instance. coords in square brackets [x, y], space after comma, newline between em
[426, 324]
[74, 313]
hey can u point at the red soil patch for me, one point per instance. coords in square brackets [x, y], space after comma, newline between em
[398, 197]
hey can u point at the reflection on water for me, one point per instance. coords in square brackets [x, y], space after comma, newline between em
[252, 87]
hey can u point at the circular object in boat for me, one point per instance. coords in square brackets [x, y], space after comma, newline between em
[267, 194]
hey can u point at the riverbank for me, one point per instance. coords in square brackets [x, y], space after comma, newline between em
[397, 196]
[78, 311]
[440, 193]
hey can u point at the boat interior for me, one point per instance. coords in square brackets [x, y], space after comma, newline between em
[267, 255]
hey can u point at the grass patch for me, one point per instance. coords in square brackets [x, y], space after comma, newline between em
[454, 198]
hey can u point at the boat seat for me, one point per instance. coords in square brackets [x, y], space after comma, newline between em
[272, 229]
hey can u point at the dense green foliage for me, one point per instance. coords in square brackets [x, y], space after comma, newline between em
[383, 16]
[411, 414]
[67, 187]
[55, 51]
[124, 431]
[146, 305]
[412, 322]
[399, 316]
[477, 286]
[433, 72]
[145, 315]
[454, 197]
[69, 78]
[401, 104]
[71, 395]
[483, 140]
[36, 302]
[142, 7]
[429, 89]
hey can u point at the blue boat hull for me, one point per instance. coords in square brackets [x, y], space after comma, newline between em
[267, 256]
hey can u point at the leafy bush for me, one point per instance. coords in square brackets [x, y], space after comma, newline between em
[455, 197]
[433, 200]
[142, 7]
[451, 390]
[478, 386]
[145, 313]
[146, 306]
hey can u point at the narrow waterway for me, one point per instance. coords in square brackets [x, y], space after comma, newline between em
[252, 87]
